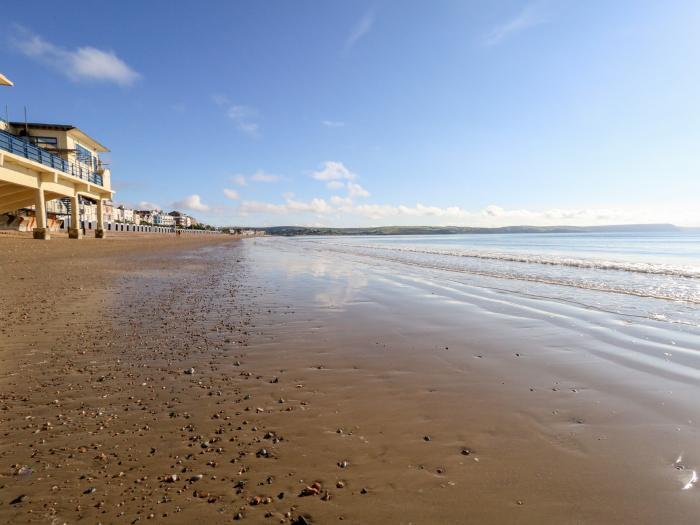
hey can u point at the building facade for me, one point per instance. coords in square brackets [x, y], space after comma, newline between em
[40, 163]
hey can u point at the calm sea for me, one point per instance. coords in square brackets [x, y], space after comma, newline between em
[651, 275]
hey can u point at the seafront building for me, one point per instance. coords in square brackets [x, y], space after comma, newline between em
[52, 177]
[40, 163]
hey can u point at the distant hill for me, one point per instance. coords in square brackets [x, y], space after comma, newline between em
[442, 230]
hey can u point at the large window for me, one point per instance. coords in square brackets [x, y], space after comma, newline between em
[85, 156]
[45, 141]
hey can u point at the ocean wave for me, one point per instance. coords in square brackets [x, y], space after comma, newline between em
[667, 291]
[572, 262]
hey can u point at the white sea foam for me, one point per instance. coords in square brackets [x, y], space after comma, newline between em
[690, 272]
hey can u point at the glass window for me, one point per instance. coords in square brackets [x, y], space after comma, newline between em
[52, 141]
[84, 155]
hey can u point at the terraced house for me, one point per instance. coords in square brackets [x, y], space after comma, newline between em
[43, 162]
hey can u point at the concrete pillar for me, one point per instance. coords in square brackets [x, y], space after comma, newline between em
[75, 232]
[100, 229]
[41, 231]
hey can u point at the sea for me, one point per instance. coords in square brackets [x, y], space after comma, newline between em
[651, 275]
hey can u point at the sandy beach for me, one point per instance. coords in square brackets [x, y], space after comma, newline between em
[212, 379]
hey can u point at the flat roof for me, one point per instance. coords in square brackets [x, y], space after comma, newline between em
[62, 127]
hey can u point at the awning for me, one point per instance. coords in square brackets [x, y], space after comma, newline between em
[4, 81]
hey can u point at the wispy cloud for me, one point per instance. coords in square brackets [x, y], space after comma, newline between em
[240, 180]
[245, 117]
[80, 64]
[316, 206]
[333, 170]
[360, 29]
[355, 190]
[529, 17]
[489, 216]
[333, 123]
[231, 194]
[146, 205]
[258, 176]
[191, 202]
[261, 176]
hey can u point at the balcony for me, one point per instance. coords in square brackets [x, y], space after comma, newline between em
[17, 146]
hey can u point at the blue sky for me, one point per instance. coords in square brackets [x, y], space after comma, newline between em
[376, 112]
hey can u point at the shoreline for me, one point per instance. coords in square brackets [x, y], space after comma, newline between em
[461, 412]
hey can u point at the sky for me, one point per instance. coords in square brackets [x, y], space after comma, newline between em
[368, 113]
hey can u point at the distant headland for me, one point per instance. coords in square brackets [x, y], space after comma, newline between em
[445, 230]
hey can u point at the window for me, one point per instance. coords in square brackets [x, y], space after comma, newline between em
[50, 141]
[85, 156]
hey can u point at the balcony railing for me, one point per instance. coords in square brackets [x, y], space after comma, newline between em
[9, 142]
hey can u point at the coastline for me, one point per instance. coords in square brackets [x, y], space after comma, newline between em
[528, 417]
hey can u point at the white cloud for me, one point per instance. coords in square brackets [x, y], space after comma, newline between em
[239, 179]
[333, 123]
[261, 176]
[248, 207]
[258, 176]
[191, 202]
[333, 170]
[382, 211]
[82, 63]
[342, 208]
[335, 185]
[316, 206]
[528, 17]
[313, 206]
[220, 100]
[145, 205]
[363, 26]
[341, 201]
[245, 119]
[355, 190]
[231, 194]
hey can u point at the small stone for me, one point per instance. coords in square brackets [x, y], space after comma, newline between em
[340, 484]
[90, 490]
[238, 516]
[189, 371]
[172, 478]
[426, 438]
[343, 464]
[19, 499]
[196, 477]
[364, 491]
[466, 451]
[310, 491]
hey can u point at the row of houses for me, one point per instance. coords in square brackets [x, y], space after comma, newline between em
[52, 177]
[125, 215]
[87, 212]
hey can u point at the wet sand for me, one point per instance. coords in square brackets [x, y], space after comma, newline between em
[180, 380]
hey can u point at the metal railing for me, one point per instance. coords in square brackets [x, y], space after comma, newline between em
[9, 142]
